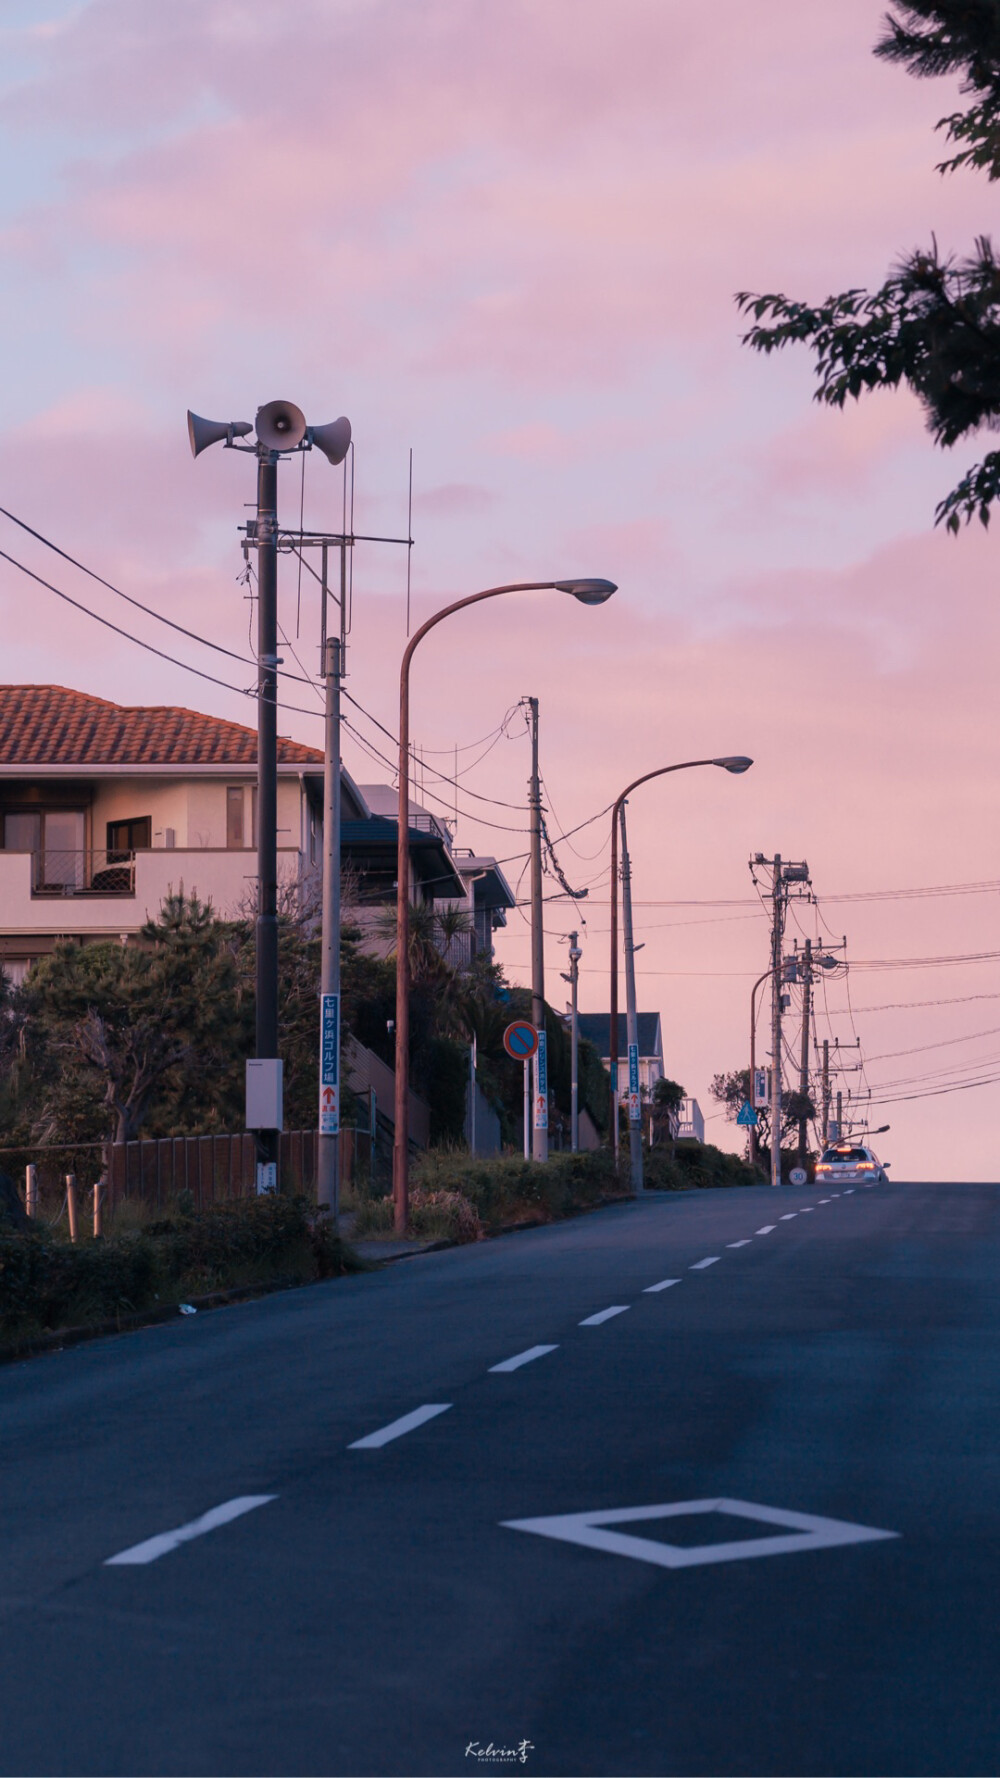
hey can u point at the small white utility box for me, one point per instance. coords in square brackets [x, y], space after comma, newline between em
[264, 1094]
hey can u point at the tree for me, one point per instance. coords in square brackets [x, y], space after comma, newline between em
[935, 323]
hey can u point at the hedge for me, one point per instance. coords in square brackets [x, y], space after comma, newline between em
[46, 1283]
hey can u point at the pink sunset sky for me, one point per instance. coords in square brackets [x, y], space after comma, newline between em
[507, 234]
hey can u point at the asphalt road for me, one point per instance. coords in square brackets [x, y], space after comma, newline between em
[375, 1611]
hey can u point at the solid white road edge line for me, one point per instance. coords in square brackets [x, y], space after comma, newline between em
[396, 1428]
[664, 1284]
[605, 1315]
[154, 1547]
[515, 1363]
[745, 1243]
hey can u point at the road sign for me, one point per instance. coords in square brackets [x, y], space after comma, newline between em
[761, 1096]
[541, 1082]
[798, 1176]
[747, 1115]
[520, 1040]
[329, 1065]
[634, 1109]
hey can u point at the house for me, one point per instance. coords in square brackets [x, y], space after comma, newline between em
[596, 1028]
[474, 886]
[105, 809]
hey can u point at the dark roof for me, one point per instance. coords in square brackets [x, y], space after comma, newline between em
[430, 858]
[52, 726]
[596, 1028]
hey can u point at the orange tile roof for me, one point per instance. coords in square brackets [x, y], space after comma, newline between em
[50, 725]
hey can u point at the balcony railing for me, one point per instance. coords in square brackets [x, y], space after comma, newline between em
[102, 872]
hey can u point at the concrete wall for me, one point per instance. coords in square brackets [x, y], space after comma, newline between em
[195, 808]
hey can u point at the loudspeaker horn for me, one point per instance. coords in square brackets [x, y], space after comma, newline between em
[203, 433]
[333, 440]
[281, 426]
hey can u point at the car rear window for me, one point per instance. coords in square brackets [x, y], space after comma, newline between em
[846, 1154]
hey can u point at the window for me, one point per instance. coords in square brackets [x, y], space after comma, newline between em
[234, 817]
[55, 838]
[129, 836]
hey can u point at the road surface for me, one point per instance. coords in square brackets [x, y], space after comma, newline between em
[302, 1535]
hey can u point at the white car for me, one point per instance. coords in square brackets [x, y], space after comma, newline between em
[844, 1164]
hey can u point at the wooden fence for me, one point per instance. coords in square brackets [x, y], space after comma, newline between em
[216, 1168]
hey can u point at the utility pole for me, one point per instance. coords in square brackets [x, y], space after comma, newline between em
[804, 1048]
[328, 1173]
[826, 1091]
[777, 933]
[573, 978]
[840, 1114]
[540, 1130]
[632, 1023]
[266, 539]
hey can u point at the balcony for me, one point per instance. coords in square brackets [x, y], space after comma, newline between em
[113, 891]
[58, 872]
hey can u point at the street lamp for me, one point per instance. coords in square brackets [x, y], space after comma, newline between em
[281, 428]
[588, 592]
[729, 763]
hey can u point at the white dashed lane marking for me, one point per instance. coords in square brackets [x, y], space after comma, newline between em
[738, 1243]
[700, 1264]
[824, 1200]
[605, 1315]
[664, 1284]
[807, 1209]
[788, 1216]
[154, 1547]
[515, 1363]
[768, 1229]
[396, 1428]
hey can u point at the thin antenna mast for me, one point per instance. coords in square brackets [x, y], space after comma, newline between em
[409, 540]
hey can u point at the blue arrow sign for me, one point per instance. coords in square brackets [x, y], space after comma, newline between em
[747, 1115]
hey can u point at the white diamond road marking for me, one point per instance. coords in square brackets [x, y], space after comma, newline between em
[803, 1531]
[738, 1243]
[700, 1264]
[605, 1315]
[154, 1547]
[768, 1229]
[396, 1428]
[788, 1216]
[664, 1284]
[514, 1364]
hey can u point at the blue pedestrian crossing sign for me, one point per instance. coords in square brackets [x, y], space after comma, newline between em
[747, 1115]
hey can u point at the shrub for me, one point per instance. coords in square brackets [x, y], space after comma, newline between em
[444, 1216]
[507, 1188]
[46, 1283]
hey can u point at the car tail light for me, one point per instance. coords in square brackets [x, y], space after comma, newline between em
[866, 1167]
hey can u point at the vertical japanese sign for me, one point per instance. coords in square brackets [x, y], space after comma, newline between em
[761, 1096]
[634, 1103]
[541, 1085]
[329, 1065]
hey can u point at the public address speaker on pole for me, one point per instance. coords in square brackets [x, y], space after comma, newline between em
[281, 426]
[203, 433]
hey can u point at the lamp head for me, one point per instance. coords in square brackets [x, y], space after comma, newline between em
[589, 592]
[281, 426]
[736, 762]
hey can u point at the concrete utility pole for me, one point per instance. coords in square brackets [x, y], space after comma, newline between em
[804, 1047]
[777, 934]
[266, 539]
[826, 1091]
[540, 1122]
[328, 1180]
[575, 954]
[840, 1114]
[632, 1023]
[752, 1132]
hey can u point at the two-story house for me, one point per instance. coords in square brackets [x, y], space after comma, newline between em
[105, 809]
